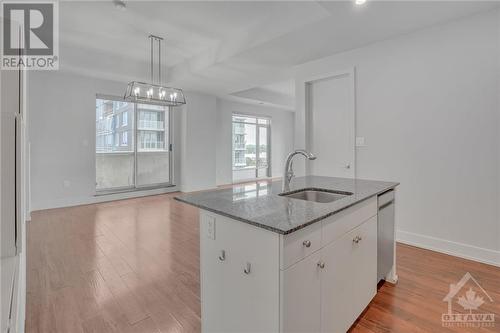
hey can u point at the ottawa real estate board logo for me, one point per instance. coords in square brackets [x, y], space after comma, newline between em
[30, 35]
[470, 296]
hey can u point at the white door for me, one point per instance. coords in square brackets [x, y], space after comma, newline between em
[10, 142]
[331, 127]
[301, 296]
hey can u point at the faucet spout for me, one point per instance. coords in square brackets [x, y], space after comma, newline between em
[288, 172]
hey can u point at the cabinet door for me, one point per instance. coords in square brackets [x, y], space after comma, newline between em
[349, 279]
[336, 286]
[234, 300]
[301, 296]
[251, 298]
[364, 274]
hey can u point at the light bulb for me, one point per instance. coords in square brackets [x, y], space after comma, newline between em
[360, 2]
[137, 90]
[162, 94]
[150, 92]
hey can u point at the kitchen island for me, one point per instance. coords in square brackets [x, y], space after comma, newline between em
[307, 260]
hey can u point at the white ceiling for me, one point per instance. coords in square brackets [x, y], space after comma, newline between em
[234, 47]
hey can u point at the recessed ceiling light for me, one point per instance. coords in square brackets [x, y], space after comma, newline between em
[120, 4]
[360, 2]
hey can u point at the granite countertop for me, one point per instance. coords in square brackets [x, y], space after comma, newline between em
[259, 204]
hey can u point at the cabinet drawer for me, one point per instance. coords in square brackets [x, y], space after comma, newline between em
[300, 244]
[339, 224]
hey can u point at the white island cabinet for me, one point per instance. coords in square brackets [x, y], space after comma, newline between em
[316, 279]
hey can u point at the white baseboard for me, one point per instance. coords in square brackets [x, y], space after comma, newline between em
[91, 199]
[461, 250]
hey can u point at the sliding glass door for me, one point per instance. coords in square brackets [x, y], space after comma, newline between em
[251, 147]
[114, 146]
[132, 145]
[153, 155]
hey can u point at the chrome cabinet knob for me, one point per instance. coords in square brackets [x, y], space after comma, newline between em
[357, 239]
[348, 166]
[321, 264]
[247, 269]
[222, 256]
[306, 243]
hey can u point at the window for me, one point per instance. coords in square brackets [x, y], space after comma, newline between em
[122, 163]
[251, 142]
[124, 118]
[124, 138]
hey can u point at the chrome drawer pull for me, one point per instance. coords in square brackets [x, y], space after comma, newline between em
[321, 264]
[222, 257]
[306, 243]
[357, 239]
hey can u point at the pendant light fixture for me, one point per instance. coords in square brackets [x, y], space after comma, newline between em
[154, 92]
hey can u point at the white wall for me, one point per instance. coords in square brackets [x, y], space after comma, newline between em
[282, 129]
[62, 131]
[62, 134]
[428, 106]
[198, 142]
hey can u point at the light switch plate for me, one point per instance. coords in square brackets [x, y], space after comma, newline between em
[360, 141]
[211, 227]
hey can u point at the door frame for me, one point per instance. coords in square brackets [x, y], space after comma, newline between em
[257, 145]
[257, 148]
[307, 82]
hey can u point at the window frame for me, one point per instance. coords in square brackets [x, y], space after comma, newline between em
[168, 134]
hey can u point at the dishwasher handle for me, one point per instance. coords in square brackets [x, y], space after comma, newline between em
[385, 199]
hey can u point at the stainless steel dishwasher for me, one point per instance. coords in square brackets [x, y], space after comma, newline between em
[385, 252]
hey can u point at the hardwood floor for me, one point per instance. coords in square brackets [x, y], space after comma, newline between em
[133, 266]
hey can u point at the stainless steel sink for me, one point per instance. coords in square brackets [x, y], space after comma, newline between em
[316, 195]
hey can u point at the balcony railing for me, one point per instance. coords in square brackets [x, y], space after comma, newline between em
[151, 124]
[152, 145]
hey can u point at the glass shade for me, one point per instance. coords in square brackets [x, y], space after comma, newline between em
[154, 94]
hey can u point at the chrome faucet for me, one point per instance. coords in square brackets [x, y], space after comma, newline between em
[288, 172]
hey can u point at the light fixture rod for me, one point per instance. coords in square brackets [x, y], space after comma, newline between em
[158, 41]
[159, 62]
[151, 60]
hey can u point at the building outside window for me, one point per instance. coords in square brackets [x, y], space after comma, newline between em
[122, 163]
[124, 138]
[125, 118]
[251, 147]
